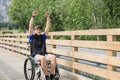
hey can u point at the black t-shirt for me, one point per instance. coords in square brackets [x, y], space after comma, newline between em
[38, 44]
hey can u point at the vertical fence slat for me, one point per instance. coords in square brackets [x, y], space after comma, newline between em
[73, 37]
[111, 38]
[53, 46]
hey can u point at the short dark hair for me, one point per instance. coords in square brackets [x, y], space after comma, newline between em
[38, 26]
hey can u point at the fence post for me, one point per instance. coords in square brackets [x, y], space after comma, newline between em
[53, 46]
[111, 38]
[73, 49]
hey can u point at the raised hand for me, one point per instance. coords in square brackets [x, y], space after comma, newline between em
[48, 14]
[34, 13]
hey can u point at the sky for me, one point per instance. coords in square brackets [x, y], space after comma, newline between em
[3, 10]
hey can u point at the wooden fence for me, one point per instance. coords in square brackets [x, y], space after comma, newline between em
[19, 43]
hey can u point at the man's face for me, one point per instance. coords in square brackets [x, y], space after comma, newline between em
[38, 31]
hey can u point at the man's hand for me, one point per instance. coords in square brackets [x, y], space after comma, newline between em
[34, 13]
[48, 14]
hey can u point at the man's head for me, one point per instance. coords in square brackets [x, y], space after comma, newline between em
[38, 30]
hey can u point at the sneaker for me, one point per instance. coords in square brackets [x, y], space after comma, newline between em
[39, 74]
[47, 78]
[52, 77]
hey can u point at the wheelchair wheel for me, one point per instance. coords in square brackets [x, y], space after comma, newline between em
[57, 73]
[29, 69]
[37, 71]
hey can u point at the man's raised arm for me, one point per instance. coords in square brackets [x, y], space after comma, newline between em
[34, 13]
[47, 23]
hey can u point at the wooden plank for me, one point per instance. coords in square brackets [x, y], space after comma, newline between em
[97, 45]
[64, 62]
[78, 32]
[73, 49]
[15, 44]
[58, 42]
[91, 69]
[87, 44]
[18, 49]
[104, 59]
[88, 32]
[94, 57]
[97, 71]
[17, 35]
[52, 46]
[111, 53]
[60, 52]
[15, 39]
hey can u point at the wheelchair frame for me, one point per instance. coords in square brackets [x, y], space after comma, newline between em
[36, 65]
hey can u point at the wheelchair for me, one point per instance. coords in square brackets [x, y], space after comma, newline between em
[33, 70]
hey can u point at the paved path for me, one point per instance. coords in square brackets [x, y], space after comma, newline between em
[11, 65]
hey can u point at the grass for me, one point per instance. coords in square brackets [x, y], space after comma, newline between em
[13, 31]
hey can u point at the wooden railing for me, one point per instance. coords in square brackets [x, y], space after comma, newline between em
[77, 60]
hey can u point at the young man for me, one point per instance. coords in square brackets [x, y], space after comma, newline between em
[37, 41]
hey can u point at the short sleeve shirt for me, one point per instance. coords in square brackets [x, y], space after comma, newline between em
[32, 37]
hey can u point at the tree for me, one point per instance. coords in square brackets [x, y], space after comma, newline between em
[113, 13]
[68, 14]
[20, 11]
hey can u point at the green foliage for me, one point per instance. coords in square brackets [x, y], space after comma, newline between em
[68, 14]
[3, 24]
[77, 16]
[8, 25]
[113, 7]
[20, 11]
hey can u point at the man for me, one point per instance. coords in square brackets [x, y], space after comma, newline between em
[37, 41]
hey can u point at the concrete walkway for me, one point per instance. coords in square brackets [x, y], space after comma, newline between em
[11, 65]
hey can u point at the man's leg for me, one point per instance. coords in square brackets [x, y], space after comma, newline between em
[42, 60]
[52, 58]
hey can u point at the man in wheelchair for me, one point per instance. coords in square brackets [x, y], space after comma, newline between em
[37, 40]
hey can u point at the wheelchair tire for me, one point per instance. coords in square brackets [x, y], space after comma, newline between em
[57, 73]
[29, 67]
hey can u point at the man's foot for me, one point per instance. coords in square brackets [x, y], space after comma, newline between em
[39, 74]
[47, 77]
[52, 77]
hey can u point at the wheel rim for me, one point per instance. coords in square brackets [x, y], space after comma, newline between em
[29, 69]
